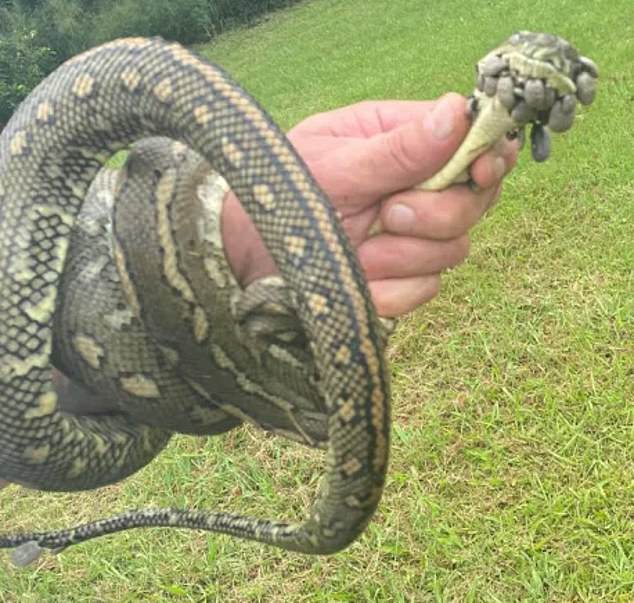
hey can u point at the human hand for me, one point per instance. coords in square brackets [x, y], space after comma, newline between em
[368, 158]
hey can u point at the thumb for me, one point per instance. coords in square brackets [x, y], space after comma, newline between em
[400, 158]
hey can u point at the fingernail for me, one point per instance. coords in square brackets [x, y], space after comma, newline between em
[400, 218]
[441, 121]
[499, 167]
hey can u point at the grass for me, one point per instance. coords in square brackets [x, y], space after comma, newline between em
[513, 450]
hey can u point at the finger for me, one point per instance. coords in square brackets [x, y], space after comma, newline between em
[386, 256]
[496, 195]
[398, 159]
[248, 261]
[363, 119]
[488, 169]
[509, 149]
[438, 215]
[394, 297]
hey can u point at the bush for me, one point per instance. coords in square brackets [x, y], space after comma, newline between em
[184, 20]
[63, 25]
[23, 63]
[38, 35]
[187, 21]
[224, 14]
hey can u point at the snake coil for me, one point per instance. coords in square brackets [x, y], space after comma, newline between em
[92, 106]
[131, 89]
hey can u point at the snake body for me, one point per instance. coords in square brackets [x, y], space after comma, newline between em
[51, 150]
[175, 257]
[50, 153]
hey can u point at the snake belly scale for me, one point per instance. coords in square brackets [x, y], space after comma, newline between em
[92, 106]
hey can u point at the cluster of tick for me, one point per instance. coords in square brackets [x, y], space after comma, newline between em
[541, 98]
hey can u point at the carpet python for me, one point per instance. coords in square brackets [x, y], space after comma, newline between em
[118, 280]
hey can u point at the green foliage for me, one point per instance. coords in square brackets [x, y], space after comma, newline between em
[227, 13]
[185, 20]
[37, 35]
[62, 25]
[23, 63]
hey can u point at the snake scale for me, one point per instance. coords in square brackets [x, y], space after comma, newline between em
[60, 215]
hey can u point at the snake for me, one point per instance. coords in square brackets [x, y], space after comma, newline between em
[117, 278]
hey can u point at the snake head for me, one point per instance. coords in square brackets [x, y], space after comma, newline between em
[538, 78]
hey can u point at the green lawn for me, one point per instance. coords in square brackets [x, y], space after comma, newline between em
[512, 474]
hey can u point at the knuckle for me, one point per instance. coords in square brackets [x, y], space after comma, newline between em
[433, 286]
[463, 248]
[449, 220]
[459, 250]
[400, 154]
